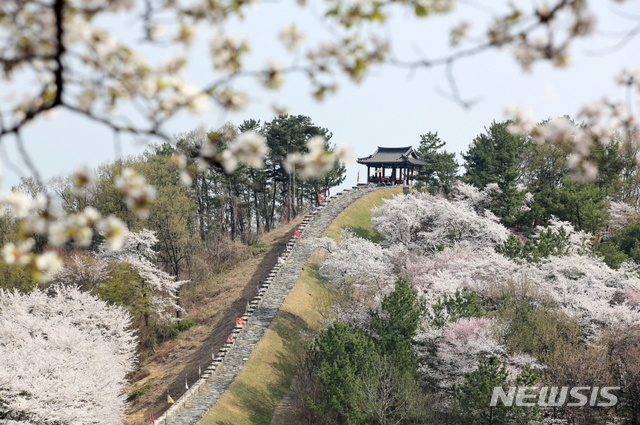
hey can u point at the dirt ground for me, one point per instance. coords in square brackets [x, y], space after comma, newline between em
[215, 306]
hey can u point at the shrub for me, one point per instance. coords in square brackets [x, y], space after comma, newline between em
[464, 303]
[135, 393]
[534, 325]
[183, 325]
[257, 247]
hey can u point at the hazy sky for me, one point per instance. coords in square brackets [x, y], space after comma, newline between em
[391, 107]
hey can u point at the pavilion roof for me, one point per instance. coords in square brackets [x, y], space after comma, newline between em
[392, 157]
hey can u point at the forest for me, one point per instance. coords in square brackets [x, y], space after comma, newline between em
[184, 224]
[508, 270]
[510, 273]
[518, 265]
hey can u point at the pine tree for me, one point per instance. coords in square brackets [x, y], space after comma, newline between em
[397, 324]
[474, 395]
[342, 355]
[441, 169]
[493, 157]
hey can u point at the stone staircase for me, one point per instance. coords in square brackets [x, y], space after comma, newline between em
[228, 362]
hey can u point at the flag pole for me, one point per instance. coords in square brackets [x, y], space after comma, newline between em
[166, 414]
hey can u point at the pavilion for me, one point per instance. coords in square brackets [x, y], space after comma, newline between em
[392, 165]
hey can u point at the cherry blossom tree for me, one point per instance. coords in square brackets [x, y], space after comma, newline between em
[583, 286]
[621, 214]
[58, 44]
[65, 55]
[575, 241]
[357, 260]
[64, 355]
[137, 250]
[427, 223]
[83, 270]
[570, 279]
[462, 344]
[361, 274]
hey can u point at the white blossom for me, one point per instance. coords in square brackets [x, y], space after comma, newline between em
[427, 222]
[523, 120]
[359, 270]
[621, 214]
[227, 51]
[317, 162]
[137, 250]
[17, 254]
[462, 344]
[64, 357]
[86, 271]
[629, 76]
[291, 36]
[114, 231]
[272, 76]
[458, 32]
[20, 202]
[229, 161]
[137, 193]
[48, 264]
[344, 153]
[249, 148]
[83, 177]
[231, 100]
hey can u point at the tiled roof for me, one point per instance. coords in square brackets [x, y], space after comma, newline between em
[392, 156]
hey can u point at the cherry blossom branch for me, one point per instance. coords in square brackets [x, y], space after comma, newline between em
[58, 9]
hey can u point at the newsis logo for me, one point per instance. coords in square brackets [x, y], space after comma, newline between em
[555, 396]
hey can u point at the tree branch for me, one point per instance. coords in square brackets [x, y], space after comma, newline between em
[58, 10]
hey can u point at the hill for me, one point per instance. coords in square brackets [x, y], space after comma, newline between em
[259, 392]
[213, 305]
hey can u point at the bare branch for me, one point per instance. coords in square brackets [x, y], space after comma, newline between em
[626, 39]
[58, 9]
[455, 92]
[26, 158]
[6, 160]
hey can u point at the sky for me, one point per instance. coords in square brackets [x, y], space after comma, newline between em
[391, 107]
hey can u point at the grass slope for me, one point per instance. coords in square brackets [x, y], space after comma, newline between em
[357, 217]
[214, 305]
[266, 377]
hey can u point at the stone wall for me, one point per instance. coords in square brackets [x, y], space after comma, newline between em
[217, 377]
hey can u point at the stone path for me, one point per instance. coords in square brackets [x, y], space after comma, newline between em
[214, 381]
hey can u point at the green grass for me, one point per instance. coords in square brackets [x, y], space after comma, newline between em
[138, 392]
[183, 325]
[357, 217]
[258, 247]
[266, 377]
